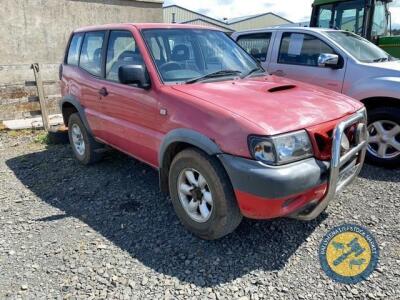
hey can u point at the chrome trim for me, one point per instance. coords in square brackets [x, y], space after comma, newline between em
[338, 161]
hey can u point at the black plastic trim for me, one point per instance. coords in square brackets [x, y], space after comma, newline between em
[186, 136]
[272, 182]
[75, 102]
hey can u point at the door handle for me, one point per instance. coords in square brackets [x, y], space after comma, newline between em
[103, 92]
[279, 73]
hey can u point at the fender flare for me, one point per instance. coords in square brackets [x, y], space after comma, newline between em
[186, 136]
[75, 102]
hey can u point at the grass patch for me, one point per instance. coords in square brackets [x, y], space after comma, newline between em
[42, 138]
[19, 133]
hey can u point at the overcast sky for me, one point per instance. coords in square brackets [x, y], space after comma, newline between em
[296, 11]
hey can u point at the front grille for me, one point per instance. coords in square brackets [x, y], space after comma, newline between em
[344, 166]
[322, 136]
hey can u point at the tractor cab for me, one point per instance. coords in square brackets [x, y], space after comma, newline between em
[370, 19]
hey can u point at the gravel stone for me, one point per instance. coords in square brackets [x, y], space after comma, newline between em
[106, 232]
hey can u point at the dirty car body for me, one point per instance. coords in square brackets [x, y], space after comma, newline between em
[227, 139]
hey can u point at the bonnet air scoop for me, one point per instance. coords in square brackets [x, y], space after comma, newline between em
[281, 88]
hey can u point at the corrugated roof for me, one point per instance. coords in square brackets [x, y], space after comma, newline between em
[208, 22]
[242, 19]
[232, 20]
[239, 19]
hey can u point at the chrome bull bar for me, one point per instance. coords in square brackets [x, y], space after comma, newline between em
[335, 181]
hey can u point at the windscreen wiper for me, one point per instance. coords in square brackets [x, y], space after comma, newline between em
[254, 71]
[217, 74]
[382, 59]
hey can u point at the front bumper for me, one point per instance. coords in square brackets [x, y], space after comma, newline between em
[300, 190]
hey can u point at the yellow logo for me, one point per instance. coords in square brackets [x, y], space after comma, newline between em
[349, 254]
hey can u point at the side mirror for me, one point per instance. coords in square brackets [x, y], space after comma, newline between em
[134, 74]
[328, 61]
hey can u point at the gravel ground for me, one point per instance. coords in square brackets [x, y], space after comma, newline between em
[70, 231]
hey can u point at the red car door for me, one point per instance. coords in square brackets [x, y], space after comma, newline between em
[89, 79]
[130, 114]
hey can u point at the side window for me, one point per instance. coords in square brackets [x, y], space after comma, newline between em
[158, 49]
[256, 44]
[91, 53]
[302, 49]
[122, 50]
[74, 47]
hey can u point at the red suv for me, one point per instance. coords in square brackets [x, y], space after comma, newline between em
[227, 139]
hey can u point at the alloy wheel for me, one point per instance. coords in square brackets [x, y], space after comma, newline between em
[384, 140]
[195, 195]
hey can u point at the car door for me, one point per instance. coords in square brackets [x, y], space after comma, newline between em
[296, 56]
[88, 79]
[130, 113]
[258, 44]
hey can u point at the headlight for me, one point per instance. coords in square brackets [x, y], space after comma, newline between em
[281, 149]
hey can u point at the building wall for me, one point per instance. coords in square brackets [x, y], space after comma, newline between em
[209, 24]
[186, 16]
[183, 15]
[258, 22]
[38, 30]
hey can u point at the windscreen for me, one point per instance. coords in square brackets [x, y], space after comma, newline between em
[185, 54]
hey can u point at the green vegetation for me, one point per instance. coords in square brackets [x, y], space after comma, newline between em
[42, 138]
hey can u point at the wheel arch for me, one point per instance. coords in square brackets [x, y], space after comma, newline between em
[69, 105]
[375, 102]
[177, 141]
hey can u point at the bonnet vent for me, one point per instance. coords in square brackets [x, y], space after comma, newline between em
[281, 88]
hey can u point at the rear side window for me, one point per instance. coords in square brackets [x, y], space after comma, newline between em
[74, 47]
[302, 49]
[91, 54]
[122, 50]
[256, 44]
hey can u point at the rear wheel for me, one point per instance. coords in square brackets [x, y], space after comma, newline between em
[202, 195]
[85, 148]
[384, 140]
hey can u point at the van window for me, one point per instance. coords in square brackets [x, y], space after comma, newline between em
[91, 54]
[74, 47]
[302, 49]
[256, 44]
[122, 50]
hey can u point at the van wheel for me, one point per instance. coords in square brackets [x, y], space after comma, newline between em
[85, 148]
[384, 140]
[202, 195]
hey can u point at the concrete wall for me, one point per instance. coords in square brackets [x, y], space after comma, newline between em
[38, 30]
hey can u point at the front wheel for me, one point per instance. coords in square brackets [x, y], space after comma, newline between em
[384, 140]
[202, 195]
